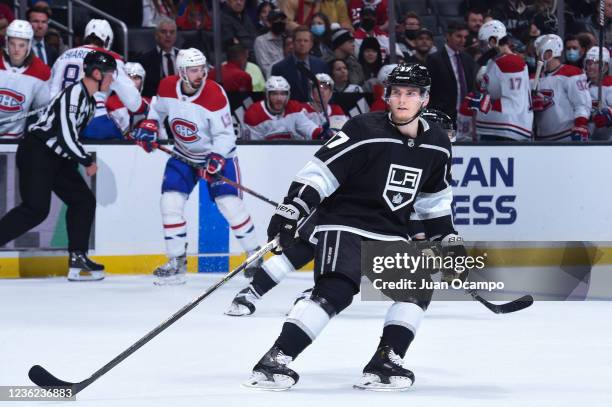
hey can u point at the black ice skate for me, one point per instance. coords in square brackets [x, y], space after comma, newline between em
[272, 373]
[244, 303]
[385, 372]
[250, 270]
[82, 268]
[173, 272]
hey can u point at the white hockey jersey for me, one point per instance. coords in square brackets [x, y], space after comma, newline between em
[336, 115]
[68, 69]
[506, 81]
[21, 90]
[606, 93]
[570, 99]
[293, 124]
[200, 124]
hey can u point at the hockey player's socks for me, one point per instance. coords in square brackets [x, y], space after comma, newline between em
[401, 324]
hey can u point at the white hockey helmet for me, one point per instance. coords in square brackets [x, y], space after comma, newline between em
[101, 29]
[493, 28]
[135, 69]
[187, 58]
[551, 42]
[384, 73]
[20, 29]
[593, 55]
[277, 83]
[325, 79]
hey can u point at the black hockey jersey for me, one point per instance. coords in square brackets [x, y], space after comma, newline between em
[369, 178]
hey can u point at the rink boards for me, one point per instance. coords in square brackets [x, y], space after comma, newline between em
[502, 193]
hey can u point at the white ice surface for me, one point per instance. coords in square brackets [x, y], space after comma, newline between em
[553, 354]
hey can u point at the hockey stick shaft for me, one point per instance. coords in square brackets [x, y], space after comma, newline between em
[308, 73]
[602, 19]
[16, 118]
[220, 177]
[43, 378]
[538, 73]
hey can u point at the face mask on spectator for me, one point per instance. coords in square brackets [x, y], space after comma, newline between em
[572, 55]
[411, 34]
[278, 27]
[530, 61]
[368, 24]
[317, 29]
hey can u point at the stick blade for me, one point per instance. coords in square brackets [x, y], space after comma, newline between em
[516, 305]
[42, 378]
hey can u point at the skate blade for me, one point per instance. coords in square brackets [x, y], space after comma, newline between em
[258, 381]
[238, 311]
[84, 275]
[372, 383]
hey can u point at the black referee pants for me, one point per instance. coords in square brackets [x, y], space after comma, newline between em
[41, 172]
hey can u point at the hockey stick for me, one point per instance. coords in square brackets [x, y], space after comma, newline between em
[16, 118]
[220, 177]
[538, 73]
[512, 306]
[42, 378]
[308, 73]
[602, 19]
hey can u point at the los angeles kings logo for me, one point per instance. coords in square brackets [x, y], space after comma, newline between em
[401, 186]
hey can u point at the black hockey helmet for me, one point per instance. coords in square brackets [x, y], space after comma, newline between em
[440, 118]
[98, 60]
[409, 75]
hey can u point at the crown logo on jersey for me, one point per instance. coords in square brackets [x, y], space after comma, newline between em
[184, 130]
[11, 101]
[401, 186]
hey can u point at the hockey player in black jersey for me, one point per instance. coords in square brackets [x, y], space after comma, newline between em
[366, 181]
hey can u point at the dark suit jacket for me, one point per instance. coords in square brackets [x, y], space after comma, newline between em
[50, 52]
[152, 64]
[300, 87]
[443, 95]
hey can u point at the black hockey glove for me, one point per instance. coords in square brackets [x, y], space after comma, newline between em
[284, 223]
[452, 246]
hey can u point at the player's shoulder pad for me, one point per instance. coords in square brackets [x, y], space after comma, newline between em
[336, 110]
[212, 97]
[254, 114]
[607, 80]
[510, 63]
[167, 87]
[294, 106]
[569, 70]
[113, 103]
[366, 126]
[38, 69]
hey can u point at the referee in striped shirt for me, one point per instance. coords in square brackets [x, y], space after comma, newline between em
[48, 159]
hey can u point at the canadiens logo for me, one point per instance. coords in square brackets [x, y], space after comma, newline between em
[11, 101]
[184, 130]
[402, 183]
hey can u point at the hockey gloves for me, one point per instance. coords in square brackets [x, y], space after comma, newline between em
[540, 102]
[145, 135]
[580, 131]
[213, 166]
[603, 118]
[478, 101]
[284, 223]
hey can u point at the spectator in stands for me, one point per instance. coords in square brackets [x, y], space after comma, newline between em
[154, 11]
[379, 6]
[339, 73]
[263, 10]
[337, 12]
[194, 15]
[288, 67]
[412, 25]
[277, 117]
[452, 71]
[257, 76]
[474, 20]
[423, 47]
[236, 26]
[320, 29]
[574, 53]
[544, 15]
[298, 12]
[515, 15]
[368, 28]
[370, 58]
[343, 45]
[54, 40]
[268, 47]
[592, 24]
[161, 60]
[234, 78]
[7, 13]
[3, 26]
[39, 19]
[319, 104]
[287, 45]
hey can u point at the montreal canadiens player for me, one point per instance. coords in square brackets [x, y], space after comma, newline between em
[502, 110]
[277, 117]
[602, 115]
[314, 109]
[349, 181]
[23, 79]
[68, 69]
[562, 103]
[198, 113]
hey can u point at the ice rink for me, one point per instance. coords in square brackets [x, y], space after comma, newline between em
[552, 354]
